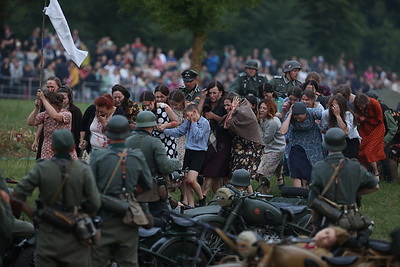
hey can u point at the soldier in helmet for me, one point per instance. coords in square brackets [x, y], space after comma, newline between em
[240, 182]
[75, 182]
[248, 81]
[191, 88]
[352, 180]
[282, 83]
[157, 160]
[131, 176]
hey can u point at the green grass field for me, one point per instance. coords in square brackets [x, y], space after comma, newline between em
[16, 160]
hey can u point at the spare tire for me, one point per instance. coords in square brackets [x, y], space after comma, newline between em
[292, 191]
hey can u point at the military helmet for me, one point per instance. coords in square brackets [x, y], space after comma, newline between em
[291, 65]
[240, 177]
[146, 119]
[247, 244]
[335, 139]
[118, 128]
[224, 197]
[251, 64]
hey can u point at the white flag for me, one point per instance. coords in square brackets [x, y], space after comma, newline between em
[60, 24]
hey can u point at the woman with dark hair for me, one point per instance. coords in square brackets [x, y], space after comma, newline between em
[177, 101]
[372, 130]
[339, 114]
[166, 118]
[216, 164]
[313, 85]
[161, 92]
[68, 104]
[267, 92]
[122, 99]
[274, 141]
[94, 123]
[304, 147]
[247, 142]
[310, 99]
[53, 118]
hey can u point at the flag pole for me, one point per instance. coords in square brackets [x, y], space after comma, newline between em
[41, 49]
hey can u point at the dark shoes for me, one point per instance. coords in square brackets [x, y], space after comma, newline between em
[281, 182]
[202, 202]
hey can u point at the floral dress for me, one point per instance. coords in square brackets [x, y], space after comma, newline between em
[168, 141]
[49, 126]
[181, 141]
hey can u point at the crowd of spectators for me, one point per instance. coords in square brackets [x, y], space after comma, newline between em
[140, 66]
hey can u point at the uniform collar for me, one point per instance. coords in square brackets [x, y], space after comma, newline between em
[140, 131]
[117, 145]
[196, 89]
[62, 156]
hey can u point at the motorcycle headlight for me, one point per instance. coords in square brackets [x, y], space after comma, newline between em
[224, 197]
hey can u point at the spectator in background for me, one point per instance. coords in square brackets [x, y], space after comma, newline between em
[61, 69]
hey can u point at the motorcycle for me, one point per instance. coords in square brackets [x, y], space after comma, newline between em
[271, 217]
[173, 244]
[20, 253]
[374, 253]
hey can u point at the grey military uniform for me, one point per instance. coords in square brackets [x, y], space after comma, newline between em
[244, 85]
[116, 236]
[6, 219]
[282, 85]
[193, 95]
[159, 164]
[352, 177]
[55, 247]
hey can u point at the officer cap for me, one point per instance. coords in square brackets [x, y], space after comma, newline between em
[291, 65]
[62, 140]
[251, 64]
[145, 119]
[240, 177]
[335, 140]
[118, 128]
[189, 75]
[299, 108]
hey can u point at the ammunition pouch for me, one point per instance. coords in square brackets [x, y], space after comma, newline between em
[158, 191]
[70, 221]
[129, 209]
[345, 216]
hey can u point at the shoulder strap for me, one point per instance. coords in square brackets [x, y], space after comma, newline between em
[121, 156]
[63, 180]
[333, 177]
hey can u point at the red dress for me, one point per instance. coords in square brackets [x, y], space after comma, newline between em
[372, 131]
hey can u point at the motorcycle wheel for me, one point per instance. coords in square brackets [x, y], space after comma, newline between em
[26, 258]
[214, 242]
[182, 251]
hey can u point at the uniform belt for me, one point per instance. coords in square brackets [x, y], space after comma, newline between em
[346, 208]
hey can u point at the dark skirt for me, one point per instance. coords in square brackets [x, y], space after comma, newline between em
[245, 155]
[352, 148]
[216, 164]
[299, 165]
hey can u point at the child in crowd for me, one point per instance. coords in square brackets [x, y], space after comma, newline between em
[197, 130]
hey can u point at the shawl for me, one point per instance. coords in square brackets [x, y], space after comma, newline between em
[244, 123]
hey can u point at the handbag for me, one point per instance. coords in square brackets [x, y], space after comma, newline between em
[133, 214]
